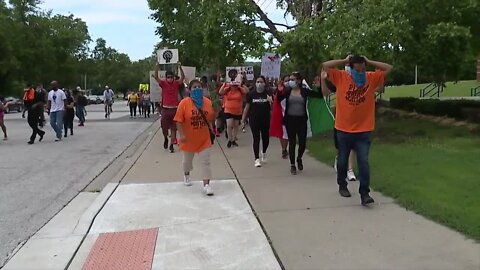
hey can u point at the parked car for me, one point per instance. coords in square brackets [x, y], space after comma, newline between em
[94, 99]
[16, 105]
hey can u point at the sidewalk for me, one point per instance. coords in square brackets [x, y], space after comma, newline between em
[162, 224]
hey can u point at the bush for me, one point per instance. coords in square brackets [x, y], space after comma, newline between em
[402, 103]
[458, 109]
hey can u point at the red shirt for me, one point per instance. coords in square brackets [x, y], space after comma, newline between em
[170, 93]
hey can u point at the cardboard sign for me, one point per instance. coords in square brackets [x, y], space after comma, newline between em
[271, 66]
[167, 56]
[155, 89]
[233, 72]
[189, 73]
[144, 87]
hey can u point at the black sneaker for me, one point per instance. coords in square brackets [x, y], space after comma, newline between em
[284, 154]
[30, 142]
[366, 199]
[172, 150]
[65, 135]
[235, 144]
[344, 192]
[293, 170]
[229, 144]
[300, 164]
[165, 144]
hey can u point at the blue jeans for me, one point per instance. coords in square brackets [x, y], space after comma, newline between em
[56, 121]
[80, 111]
[360, 142]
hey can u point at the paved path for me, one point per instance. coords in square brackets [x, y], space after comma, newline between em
[294, 222]
[38, 180]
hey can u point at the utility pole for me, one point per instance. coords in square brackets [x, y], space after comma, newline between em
[416, 74]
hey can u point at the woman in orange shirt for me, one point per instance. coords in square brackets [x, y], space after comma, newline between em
[233, 101]
[194, 118]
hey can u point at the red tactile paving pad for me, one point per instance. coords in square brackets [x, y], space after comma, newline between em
[131, 250]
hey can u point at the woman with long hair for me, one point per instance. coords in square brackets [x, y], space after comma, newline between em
[258, 109]
[296, 118]
[233, 95]
[277, 128]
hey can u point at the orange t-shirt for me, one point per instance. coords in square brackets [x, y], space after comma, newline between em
[233, 101]
[355, 110]
[29, 94]
[195, 129]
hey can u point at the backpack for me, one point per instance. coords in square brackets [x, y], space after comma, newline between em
[82, 101]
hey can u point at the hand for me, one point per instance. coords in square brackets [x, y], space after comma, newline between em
[347, 60]
[183, 139]
[367, 61]
[269, 98]
[324, 75]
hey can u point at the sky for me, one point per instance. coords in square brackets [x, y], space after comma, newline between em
[125, 24]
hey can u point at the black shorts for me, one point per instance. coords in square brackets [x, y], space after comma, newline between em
[233, 116]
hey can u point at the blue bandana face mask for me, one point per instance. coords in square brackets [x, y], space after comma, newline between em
[360, 78]
[197, 96]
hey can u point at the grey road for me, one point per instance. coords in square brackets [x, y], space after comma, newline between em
[37, 181]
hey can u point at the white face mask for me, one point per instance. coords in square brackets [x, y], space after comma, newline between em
[348, 69]
[260, 87]
[292, 84]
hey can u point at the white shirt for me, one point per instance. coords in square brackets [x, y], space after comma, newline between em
[108, 94]
[57, 99]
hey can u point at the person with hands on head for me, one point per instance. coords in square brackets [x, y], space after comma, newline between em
[194, 117]
[233, 95]
[258, 109]
[170, 100]
[295, 119]
[355, 115]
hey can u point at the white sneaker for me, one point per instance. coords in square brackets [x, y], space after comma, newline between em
[186, 180]
[264, 158]
[258, 164]
[208, 190]
[351, 176]
[335, 164]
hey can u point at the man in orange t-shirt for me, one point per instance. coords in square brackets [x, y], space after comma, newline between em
[355, 115]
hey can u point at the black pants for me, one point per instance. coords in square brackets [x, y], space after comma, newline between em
[296, 128]
[140, 108]
[146, 110]
[260, 129]
[133, 109]
[68, 121]
[33, 116]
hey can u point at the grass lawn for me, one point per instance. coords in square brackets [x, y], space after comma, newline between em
[460, 89]
[431, 169]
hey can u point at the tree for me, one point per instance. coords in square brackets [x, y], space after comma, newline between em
[210, 33]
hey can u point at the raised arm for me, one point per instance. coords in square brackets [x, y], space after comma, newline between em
[182, 73]
[325, 90]
[155, 74]
[244, 89]
[222, 89]
[335, 63]
[387, 68]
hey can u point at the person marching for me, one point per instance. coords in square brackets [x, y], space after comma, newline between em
[258, 111]
[69, 115]
[355, 116]
[146, 104]
[132, 103]
[170, 100]
[194, 117]
[296, 118]
[277, 128]
[233, 95]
